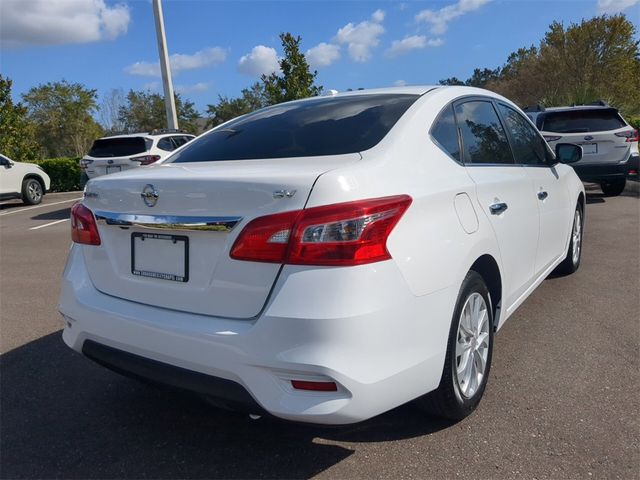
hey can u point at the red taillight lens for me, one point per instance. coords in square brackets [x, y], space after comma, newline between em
[314, 386]
[629, 135]
[146, 159]
[351, 233]
[552, 138]
[83, 226]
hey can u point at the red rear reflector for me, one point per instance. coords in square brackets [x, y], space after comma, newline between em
[351, 233]
[314, 386]
[84, 229]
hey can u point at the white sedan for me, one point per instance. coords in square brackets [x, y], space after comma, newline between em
[328, 259]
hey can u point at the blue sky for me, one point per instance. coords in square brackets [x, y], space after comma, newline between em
[222, 46]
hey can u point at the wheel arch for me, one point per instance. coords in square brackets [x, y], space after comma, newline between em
[487, 267]
[37, 177]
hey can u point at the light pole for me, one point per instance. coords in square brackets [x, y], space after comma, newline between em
[165, 67]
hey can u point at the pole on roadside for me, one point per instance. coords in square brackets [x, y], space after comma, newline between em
[165, 67]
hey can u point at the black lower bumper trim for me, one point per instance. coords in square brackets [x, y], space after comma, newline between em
[223, 392]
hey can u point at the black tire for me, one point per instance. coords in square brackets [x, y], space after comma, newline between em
[448, 400]
[32, 191]
[571, 262]
[614, 188]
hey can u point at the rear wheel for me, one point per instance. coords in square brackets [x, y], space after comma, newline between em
[469, 350]
[32, 191]
[572, 261]
[613, 188]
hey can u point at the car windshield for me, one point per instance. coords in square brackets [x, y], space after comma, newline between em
[580, 121]
[118, 147]
[323, 126]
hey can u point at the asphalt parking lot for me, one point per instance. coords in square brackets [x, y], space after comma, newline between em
[562, 400]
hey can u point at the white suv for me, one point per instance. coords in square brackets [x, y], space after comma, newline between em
[609, 143]
[22, 180]
[122, 152]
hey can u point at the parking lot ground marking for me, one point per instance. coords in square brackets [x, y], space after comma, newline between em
[49, 224]
[39, 206]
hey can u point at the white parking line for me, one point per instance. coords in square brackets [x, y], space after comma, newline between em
[49, 224]
[39, 206]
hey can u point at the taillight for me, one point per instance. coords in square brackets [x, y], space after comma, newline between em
[83, 226]
[552, 138]
[629, 135]
[146, 159]
[352, 233]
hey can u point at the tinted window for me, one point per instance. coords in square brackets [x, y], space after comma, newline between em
[324, 126]
[580, 121]
[528, 146]
[165, 144]
[179, 141]
[118, 147]
[483, 138]
[445, 132]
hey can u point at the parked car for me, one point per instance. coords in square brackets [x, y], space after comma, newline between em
[122, 152]
[609, 143]
[328, 259]
[22, 180]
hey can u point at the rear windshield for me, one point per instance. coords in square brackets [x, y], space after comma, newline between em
[579, 121]
[324, 126]
[118, 147]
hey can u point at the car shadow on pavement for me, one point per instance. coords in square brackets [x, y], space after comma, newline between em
[64, 417]
[55, 215]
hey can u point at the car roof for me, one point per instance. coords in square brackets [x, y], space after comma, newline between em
[148, 135]
[577, 107]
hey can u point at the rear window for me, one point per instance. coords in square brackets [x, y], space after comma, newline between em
[580, 121]
[324, 126]
[118, 147]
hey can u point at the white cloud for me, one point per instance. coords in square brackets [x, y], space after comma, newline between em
[438, 20]
[363, 37]
[414, 42]
[399, 83]
[207, 57]
[195, 88]
[615, 6]
[378, 16]
[323, 54]
[47, 22]
[260, 61]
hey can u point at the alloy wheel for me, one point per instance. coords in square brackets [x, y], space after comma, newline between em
[472, 346]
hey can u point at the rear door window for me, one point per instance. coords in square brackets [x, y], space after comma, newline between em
[117, 147]
[483, 137]
[322, 126]
[582, 121]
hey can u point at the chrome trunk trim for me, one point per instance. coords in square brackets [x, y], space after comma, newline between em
[168, 222]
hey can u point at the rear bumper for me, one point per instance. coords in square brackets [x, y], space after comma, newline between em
[360, 328]
[607, 172]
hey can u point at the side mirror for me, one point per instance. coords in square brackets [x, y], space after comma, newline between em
[568, 152]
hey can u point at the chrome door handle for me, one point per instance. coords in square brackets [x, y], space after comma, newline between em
[542, 195]
[498, 208]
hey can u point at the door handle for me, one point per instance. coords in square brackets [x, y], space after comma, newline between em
[498, 208]
[542, 195]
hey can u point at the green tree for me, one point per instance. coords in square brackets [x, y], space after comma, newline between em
[479, 79]
[144, 111]
[295, 80]
[17, 133]
[596, 59]
[250, 99]
[62, 113]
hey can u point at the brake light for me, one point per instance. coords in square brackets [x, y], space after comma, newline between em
[146, 159]
[552, 138]
[84, 229]
[629, 135]
[352, 233]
